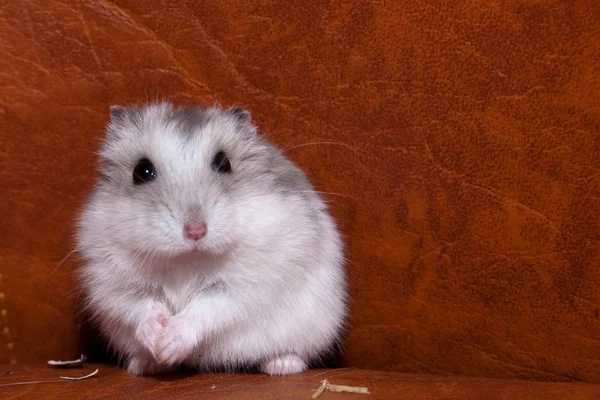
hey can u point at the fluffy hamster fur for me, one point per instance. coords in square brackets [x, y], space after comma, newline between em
[264, 287]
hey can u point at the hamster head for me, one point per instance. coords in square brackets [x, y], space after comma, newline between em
[184, 180]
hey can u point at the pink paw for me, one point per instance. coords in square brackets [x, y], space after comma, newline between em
[142, 365]
[285, 365]
[150, 331]
[177, 342]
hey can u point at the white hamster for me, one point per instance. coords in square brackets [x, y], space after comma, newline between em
[204, 246]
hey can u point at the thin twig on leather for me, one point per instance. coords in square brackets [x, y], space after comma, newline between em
[68, 364]
[325, 385]
[62, 379]
[320, 389]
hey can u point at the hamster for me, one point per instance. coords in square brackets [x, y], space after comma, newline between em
[204, 246]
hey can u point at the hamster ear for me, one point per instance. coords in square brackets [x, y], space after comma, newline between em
[124, 120]
[242, 115]
[118, 113]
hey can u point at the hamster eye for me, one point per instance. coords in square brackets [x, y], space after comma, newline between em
[143, 172]
[221, 163]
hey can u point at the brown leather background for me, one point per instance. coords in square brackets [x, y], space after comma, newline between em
[114, 383]
[466, 162]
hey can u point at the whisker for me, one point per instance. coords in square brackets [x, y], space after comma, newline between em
[62, 261]
[330, 193]
[77, 249]
[289, 144]
[285, 149]
[308, 191]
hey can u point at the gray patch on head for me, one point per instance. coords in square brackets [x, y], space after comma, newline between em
[287, 177]
[189, 120]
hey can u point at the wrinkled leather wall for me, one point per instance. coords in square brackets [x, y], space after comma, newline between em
[466, 169]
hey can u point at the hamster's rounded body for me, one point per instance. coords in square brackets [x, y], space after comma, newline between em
[205, 246]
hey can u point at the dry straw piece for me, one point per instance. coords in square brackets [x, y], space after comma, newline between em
[339, 388]
[68, 364]
[68, 378]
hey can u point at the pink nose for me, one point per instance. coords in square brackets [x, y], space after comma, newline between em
[194, 230]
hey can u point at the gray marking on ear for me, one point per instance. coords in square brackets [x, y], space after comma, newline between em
[117, 112]
[241, 114]
[124, 120]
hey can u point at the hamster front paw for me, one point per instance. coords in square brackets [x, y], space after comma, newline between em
[150, 331]
[142, 365]
[177, 341]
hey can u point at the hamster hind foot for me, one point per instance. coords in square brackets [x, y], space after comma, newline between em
[284, 365]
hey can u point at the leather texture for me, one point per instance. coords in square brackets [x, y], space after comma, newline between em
[112, 383]
[458, 143]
